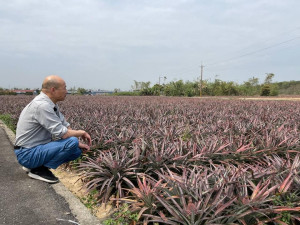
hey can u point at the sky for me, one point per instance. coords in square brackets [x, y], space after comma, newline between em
[108, 44]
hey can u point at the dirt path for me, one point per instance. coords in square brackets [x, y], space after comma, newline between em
[268, 99]
[277, 98]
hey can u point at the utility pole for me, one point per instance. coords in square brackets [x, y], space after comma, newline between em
[201, 80]
[162, 77]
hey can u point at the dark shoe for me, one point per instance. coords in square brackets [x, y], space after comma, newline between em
[44, 174]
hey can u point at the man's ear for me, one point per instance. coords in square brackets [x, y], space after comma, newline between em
[52, 89]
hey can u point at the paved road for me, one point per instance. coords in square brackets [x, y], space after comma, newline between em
[27, 201]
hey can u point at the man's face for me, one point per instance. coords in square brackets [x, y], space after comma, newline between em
[60, 92]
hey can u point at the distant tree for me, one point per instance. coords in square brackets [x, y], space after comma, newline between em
[268, 88]
[145, 85]
[116, 90]
[218, 88]
[265, 90]
[175, 88]
[81, 91]
[269, 78]
[157, 89]
[250, 87]
[136, 86]
[191, 88]
[274, 90]
[289, 87]
[125, 93]
[2, 91]
[145, 88]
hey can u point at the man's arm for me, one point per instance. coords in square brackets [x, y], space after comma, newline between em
[78, 133]
[83, 146]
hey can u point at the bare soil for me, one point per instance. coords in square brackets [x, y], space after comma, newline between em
[286, 98]
[72, 182]
[283, 98]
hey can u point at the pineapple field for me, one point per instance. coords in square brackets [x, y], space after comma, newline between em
[171, 160]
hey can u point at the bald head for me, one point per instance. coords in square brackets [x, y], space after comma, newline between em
[55, 88]
[52, 81]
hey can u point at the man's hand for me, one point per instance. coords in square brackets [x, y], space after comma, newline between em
[84, 147]
[87, 138]
[78, 133]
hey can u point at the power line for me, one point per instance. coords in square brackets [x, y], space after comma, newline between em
[189, 70]
[249, 53]
[254, 52]
[274, 37]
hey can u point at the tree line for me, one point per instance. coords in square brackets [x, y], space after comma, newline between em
[251, 87]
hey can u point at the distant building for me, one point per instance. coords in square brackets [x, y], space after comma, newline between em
[91, 92]
[24, 92]
[99, 92]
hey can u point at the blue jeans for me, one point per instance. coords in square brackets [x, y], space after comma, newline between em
[50, 155]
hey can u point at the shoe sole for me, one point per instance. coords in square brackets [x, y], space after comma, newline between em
[34, 176]
[26, 169]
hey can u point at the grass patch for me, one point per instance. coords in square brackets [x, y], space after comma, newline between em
[8, 121]
[90, 201]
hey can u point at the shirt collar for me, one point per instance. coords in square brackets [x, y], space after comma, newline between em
[44, 96]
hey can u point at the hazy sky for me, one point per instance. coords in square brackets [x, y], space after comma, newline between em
[108, 44]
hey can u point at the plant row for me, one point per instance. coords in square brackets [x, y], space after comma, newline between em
[188, 160]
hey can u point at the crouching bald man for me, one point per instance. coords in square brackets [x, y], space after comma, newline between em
[44, 138]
